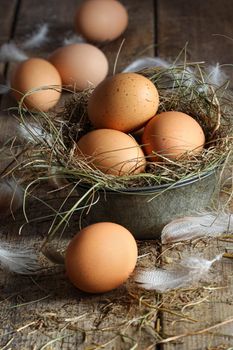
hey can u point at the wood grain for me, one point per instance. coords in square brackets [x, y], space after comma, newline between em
[7, 16]
[201, 24]
[46, 309]
[212, 298]
[43, 304]
[196, 23]
[137, 42]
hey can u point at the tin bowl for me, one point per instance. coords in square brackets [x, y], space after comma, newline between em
[145, 211]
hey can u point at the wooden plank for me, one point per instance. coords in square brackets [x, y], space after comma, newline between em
[202, 306]
[7, 14]
[51, 306]
[196, 23]
[137, 42]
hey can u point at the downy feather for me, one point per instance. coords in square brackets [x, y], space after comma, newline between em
[146, 62]
[74, 39]
[216, 76]
[33, 133]
[19, 260]
[188, 271]
[9, 52]
[203, 225]
[38, 37]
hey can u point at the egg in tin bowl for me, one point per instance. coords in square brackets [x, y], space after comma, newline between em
[166, 187]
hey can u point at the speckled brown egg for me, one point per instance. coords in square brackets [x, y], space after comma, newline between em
[80, 65]
[41, 80]
[101, 257]
[125, 101]
[112, 152]
[101, 20]
[172, 134]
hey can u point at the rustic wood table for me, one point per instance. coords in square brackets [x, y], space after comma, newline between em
[45, 311]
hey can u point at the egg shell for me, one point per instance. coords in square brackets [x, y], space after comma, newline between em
[172, 134]
[112, 152]
[80, 65]
[125, 102]
[101, 257]
[36, 73]
[101, 20]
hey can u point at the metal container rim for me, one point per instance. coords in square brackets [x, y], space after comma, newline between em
[156, 188]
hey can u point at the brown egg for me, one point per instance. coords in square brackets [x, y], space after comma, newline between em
[80, 65]
[101, 20]
[101, 257]
[113, 152]
[37, 73]
[125, 102]
[172, 134]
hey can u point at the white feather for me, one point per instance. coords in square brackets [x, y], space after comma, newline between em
[19, 260]
[216, 76]
[186, 78]
[9, 52]
[188, 271]
[74, 39]
[38, 38]
[34, 133]
[146, 62]
[205, 224]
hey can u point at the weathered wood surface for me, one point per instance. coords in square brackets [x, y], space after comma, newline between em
[46, 309]
[203, 25]
[213, 303]
[7, 20]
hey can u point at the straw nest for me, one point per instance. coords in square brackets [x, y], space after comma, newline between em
[184, 88]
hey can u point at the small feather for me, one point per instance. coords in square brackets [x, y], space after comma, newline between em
[38, 38]
[34, 133]
[186, 78]
[159, 279]
[205, 224]
[19, 260]
[188, 271]
[9, 52]
[146, 62]
[216, 76]
[74, 39]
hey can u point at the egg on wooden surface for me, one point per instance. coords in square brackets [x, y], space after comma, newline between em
[112, 152]
[101, 20]
[80, 65]
[39, 75]
[172, 134]
[101, 257]
[125, 102]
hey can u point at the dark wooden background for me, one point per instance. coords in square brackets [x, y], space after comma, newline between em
[36, 311]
